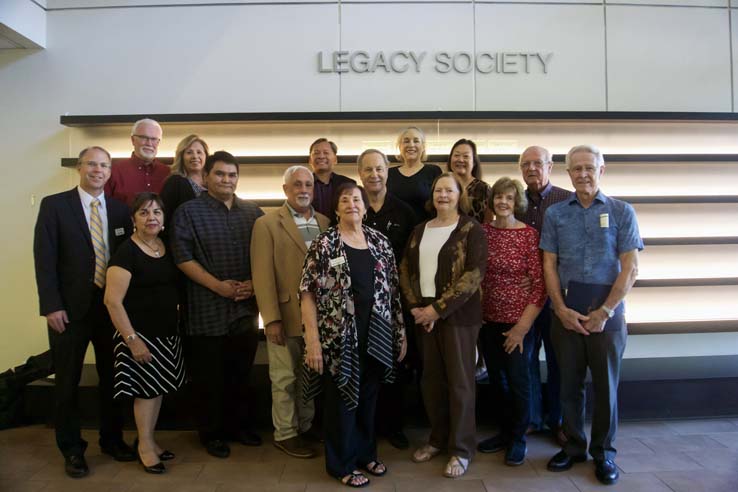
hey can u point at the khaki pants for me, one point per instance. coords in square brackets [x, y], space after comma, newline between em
[289, 415]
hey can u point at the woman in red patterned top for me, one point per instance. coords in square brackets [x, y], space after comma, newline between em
[509, 309]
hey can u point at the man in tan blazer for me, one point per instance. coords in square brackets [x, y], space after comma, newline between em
[278, 247]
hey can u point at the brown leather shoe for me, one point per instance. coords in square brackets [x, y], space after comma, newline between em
[295, 448]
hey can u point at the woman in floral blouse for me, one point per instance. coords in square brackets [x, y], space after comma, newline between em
[354, 333]
[509, 311]
[441, 270]
[464, 162]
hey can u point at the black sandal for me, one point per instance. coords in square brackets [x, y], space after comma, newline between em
[372, 466]
[350, 480]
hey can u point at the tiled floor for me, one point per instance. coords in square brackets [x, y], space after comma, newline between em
[673, 456]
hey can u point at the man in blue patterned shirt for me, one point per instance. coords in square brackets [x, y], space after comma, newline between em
[590, 246]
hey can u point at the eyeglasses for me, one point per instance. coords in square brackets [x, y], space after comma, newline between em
[153, 140]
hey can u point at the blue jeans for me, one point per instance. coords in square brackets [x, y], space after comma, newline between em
[544, 401]
[509, 376]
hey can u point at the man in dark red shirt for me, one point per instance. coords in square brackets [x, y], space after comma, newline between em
[142, 171]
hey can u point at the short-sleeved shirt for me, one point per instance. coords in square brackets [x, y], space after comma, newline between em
[152, 296]
[323, 194]
[589, 241]
[414, 190]
[396, 220]
[219, 239]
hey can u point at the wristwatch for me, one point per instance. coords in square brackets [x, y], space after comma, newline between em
[131, 337]
[610, 312]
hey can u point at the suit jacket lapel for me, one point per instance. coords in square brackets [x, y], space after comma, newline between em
[289, 225]
[75, 204]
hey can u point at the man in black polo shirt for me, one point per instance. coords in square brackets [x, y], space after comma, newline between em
[323, 158]
[395, 219]
[212, 241]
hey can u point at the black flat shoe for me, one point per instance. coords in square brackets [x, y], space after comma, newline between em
[75, 466]
[606, 471]
[562, 461]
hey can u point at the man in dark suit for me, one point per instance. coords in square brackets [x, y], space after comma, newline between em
[76, 232]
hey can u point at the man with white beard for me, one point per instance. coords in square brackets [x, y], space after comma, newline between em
[278, 247]
[142, 171]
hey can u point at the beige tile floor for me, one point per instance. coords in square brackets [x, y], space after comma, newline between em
[655, 456]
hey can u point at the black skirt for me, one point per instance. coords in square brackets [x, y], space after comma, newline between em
[164, 374]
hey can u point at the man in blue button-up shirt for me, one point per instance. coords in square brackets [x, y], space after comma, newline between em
[590, 246]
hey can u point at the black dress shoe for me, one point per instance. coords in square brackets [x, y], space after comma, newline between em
[562, 461]
[398, 440]
[606, 471]
[493, 444]
[119, 450]
[248, 438]
[218, 448]
[312, 435]
[75, 466]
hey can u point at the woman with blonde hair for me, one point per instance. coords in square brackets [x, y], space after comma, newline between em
[186, 181]
[411, 182]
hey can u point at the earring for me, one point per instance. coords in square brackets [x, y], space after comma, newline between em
[162, 228]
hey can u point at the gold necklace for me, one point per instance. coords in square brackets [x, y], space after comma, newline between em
[153, 250]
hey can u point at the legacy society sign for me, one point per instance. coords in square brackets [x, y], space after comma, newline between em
[486, 62]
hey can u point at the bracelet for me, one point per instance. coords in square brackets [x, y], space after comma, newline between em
[131, 337]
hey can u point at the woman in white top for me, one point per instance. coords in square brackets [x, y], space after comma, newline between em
[441, 271]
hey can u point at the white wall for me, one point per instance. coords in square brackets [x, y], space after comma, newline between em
[247, 58]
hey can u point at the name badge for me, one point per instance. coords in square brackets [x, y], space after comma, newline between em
[604, 220]
[337, 261]
[119, 231]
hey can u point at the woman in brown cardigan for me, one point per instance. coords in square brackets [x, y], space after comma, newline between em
[441, 271]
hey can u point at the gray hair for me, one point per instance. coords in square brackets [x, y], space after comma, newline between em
[143, 121]
[599, 159]
[372, 151]
[544, 150]
[292, 170]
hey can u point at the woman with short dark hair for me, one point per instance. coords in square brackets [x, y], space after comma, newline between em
[354, 333]
[141, 297]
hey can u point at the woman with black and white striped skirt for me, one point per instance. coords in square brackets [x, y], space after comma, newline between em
[141, 297]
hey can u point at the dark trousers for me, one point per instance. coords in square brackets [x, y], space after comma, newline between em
[219, 367]
[350, 440]
[391, 400]
[68, 352]
[602, 353]
[449, 387]
[510, 379]
[545, 404]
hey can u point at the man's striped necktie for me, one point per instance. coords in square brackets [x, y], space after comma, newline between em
[98, 243]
